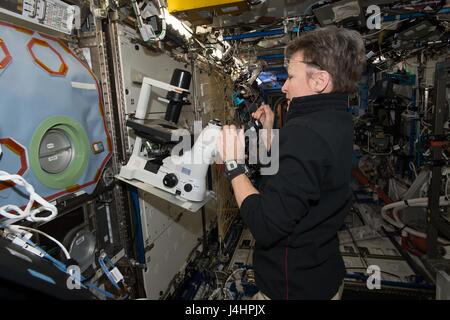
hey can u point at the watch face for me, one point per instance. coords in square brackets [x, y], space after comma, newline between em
[231, 165]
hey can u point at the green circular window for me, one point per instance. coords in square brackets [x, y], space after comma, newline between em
[59, 152]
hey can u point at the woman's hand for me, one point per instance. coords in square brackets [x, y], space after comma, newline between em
[265, 115]
[231, 144]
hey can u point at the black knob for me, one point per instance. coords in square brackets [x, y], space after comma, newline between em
[188, 187]
[170, 180]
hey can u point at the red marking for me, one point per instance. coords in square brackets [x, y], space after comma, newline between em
[20, 29]
[108, 137]
[62, 70]
[73, 188]
[362, 179]
[24, 30]
[21, 153]
[438, 144]
[7, 59]
[100, 106]
[97, 174]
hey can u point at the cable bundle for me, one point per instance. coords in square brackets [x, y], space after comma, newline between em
[28, 213]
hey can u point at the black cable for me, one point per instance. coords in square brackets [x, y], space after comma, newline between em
[187, 29]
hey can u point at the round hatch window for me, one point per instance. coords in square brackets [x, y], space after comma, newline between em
[59, 152]
[55, 151]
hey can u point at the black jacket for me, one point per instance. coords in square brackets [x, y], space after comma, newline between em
[299, 210]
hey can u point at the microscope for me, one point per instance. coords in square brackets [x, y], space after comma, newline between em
[183, 176]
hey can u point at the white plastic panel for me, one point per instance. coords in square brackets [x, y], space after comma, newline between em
[170, 231]
[53, 14]
[138, 62]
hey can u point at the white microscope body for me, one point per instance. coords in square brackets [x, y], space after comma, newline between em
[183, 176]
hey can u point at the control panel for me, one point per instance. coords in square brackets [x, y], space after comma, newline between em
[53, 14]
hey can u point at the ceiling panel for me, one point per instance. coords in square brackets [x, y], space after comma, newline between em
[270, 8]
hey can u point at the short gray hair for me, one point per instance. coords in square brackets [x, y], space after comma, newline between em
[339, 51]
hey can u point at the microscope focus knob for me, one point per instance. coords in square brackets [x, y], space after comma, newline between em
[170, 180]
[188, 187]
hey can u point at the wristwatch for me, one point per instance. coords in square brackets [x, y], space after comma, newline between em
[233, 169]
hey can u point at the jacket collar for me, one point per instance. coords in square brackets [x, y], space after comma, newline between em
[318, 102]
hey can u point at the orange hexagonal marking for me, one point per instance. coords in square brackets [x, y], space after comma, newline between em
[63, 66]
[7, 59]
[20, 29]
[20, 151]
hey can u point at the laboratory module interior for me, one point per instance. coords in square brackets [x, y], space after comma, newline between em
[95, 96]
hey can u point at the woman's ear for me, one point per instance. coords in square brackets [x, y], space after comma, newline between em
[321, 81]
